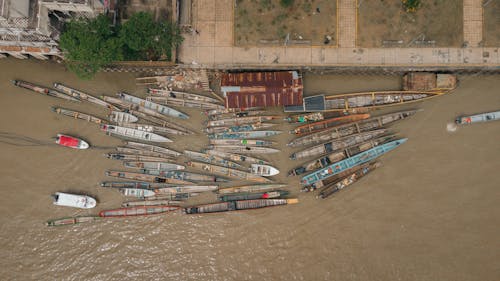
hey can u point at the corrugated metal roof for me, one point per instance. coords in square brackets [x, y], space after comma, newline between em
[262, 89]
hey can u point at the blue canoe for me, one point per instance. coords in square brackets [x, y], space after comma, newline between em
[350, 162]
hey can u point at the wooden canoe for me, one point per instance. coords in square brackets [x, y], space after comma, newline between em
[146, 177]
[134, 157]
[133, 134]
[251, 188]
[153, 129]
[83, 96]
[244, 135]
[72, 220]
[135, 184]
[188, 176]
[153, 148]
[182, 95]
[350, 129]
[244, 149]
[237, 114]
[121, 117]
[183, 102]
[252, 195]
[242, 142]
[137, 192]
[304, 118]
[185, 189]
[227, 172]
[239, 121]
[240, 128]
[133, 151]
[137, 211]
[78, 115]
[174, 203]
[238, 205]
[174, 128]
[43, 90]
[211, 159]
[328, 123]
[263, 170]
[161, 166]
[230, 111]
[371, 100]
[477, 118]
[235, 157]
[162, 109]
[133, 108]
[341, 143]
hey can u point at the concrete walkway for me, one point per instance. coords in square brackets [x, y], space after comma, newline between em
[473, 22]
[213, 46]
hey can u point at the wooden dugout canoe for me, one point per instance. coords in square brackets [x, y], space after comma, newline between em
[182, 95]
[350, 129]
[328, 123]
[162, 109]
[133, 133]
[240, 128]
[185, 189]
[174, 203]
[244, 149]
[341, 143]
[235, 157]
[121, 117]
[240, 121]
[211, 159]
[152, 148]
[236, 114]
[160, 166]
[227, 172]
[43, 90]
[346, 181]
[137, 211]
[139, 152]
[78, 115]
[242, 142]
[133, 108]
[153, 129]
[134, 157]
[252, 196]
[135, 184]
[238, 205]
[244, 135]
[146, 177]
[83, 96]
[187, 176]
[137, 192]
[477, 118]
[251, 188]
[179, 130]
[72, 220]
[230, 111]
[183, 102]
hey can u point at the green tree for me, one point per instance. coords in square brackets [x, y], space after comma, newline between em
[143, 38]
[89, 44]
[286, 3]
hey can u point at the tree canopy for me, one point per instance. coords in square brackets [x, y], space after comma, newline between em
[90, 44]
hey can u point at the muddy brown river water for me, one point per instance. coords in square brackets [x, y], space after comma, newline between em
[430, 212]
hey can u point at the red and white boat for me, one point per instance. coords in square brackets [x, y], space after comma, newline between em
[72, 142]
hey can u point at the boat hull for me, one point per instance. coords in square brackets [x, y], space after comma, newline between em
[74, 200]
[137, 211]
[71, 142]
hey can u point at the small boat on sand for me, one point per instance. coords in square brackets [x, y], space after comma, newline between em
[146, 177]
[161, 166]
[133, 151]
[251, 188]
[243, 142]
[263, 170]
[238, 205]
[74, 200]
[346, 181]
[477, 118]
[153, 148]
[162, 109]
[71, 142]
[72, 220]
[83, 96]
[43, 90]
[244, 149]
[133, 157]
[235, 157]
[240, 128]
[244, 135]
[133, 134]
[239, 121]
[121, 117]
[78, 115]
[182, 95]
[211, 159]
[227, 172]
[328, 123]
[137, 192]
[252, 196]
[138, 211]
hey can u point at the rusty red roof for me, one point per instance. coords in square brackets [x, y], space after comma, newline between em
[262, 89]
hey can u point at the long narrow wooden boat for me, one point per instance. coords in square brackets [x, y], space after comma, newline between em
[137, 192]
[186, 189]
[153, 129]
[227, 172]
[161, 122]
[350, 162]
[240, 128]
[252, 196]
[211, 159]
[133, 151]
[235, 157]
[181, 95]
[244, 135]
[328, 123]
[477, 118]
[146, 177]
[341, 143]
[350, 129]
[243, 142]
[121, 117]
[161, 166]
[244, 149]
[238, 205]
[78, 115]
[237, 114]
[83, 96]
[137, 211]
[181, 175]
[171, 101]
[174, 203]
[135, 184]
[230, 110]
[371, 100]
[43, 90]
[133, 133]
[162, 109]
[72, 220]
[304, 118]
[134, 157]
[239, 121]
[263, 170]
[337, 156]
[346, 181]
[153, 148]
[133, 108]
[251, 188]
[333, 179]
[173, 196]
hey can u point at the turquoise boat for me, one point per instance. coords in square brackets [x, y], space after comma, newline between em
[351, 162]
[481, 117]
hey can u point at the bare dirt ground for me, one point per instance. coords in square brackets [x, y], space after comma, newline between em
[383, 23]
[491, 28]
[258, 22]
[161, 9]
